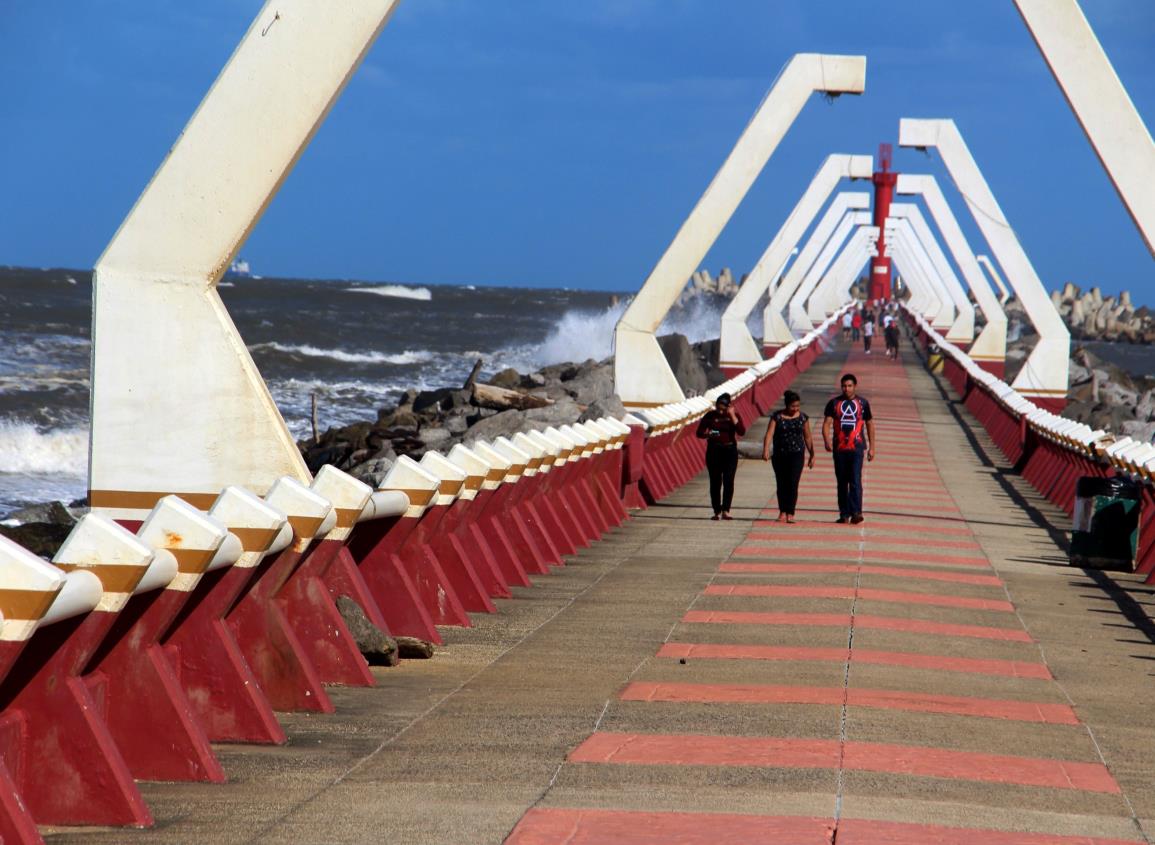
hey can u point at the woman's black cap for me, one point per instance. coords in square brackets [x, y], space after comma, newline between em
[724, 399]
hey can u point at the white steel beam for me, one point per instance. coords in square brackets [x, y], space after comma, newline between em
[1043, 377]
[962, 328]
[738, 348]
[1100, 103]
[642, 377]
[178, 405]
[990, 347]
[1004, 294]
[775, 332]
[799, 318]
[827, 296]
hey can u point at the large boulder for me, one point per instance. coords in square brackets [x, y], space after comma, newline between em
[591, 385]
[504, 424]
[562, 412]
[611, 406]
[684, 362]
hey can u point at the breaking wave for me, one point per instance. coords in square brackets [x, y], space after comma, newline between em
[409, 356]
[26, 449]
[396, 291]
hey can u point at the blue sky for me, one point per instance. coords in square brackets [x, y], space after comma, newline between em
[551, 143]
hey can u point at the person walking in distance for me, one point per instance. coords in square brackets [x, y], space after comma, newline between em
[847, 319]
[789, 433]
[856, 324]
[848, 432]
[867, 332]
[890, 332]
[721, 428]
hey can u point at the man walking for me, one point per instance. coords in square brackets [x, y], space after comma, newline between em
[848, 432]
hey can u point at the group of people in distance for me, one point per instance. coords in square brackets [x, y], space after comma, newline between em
[863, 322]
[847, 432]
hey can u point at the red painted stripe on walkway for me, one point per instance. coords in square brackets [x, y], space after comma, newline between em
[867, 569]
[842, 620]
[849, 592]
[918, 702]
[556, 826]
[787, 534]
[870, 832]
[929, 662]
[835, 553]
[932, 525]
[775, 752]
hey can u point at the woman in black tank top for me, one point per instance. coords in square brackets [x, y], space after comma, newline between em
[789, 434]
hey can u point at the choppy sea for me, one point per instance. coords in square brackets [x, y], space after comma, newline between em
[355, 345]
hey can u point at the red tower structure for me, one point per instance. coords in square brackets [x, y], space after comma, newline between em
[884, 182]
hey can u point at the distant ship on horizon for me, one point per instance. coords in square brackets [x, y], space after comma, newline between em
[241, 269]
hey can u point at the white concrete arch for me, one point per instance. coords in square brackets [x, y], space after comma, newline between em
[1043, 378]
[990, 347]
[929, 298]
[642, 377]
[1100, 103]
[830, 294]
[962, 328]
[178, 405]
[993, 271]
[944, 308]
[738, 348]
[775, 332]
[796, 308]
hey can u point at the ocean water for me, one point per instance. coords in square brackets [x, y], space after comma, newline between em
[356, 345]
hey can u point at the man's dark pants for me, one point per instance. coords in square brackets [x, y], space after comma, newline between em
[848, 476]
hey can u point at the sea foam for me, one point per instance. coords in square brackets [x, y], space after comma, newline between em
[396, 291]
[26, 449]
[409, 356]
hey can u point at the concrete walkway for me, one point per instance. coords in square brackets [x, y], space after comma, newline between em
[936, 674]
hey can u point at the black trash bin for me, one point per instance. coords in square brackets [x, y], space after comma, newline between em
[1106, 527]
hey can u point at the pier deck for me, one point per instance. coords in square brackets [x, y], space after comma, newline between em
[933, 671]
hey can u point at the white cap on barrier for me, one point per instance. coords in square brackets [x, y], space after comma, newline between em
[612, 437]
[28, 587]
[417, 483]
[310, 514]
[450, 478]
[502, 466]
[635, 420]
[555, 454]
[480, 474]
[191, 536]
[261, 528]
[116, 556]
[384, 503]
[537, 454]
[597, 438]
[519, 459]
[347, 494]
[585, 443]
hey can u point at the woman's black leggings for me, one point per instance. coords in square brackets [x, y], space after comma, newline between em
[788, 474]
[722, 463]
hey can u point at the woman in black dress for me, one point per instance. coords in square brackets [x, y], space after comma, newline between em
[789, 432]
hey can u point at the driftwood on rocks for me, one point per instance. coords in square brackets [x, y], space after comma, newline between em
[504, 399]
